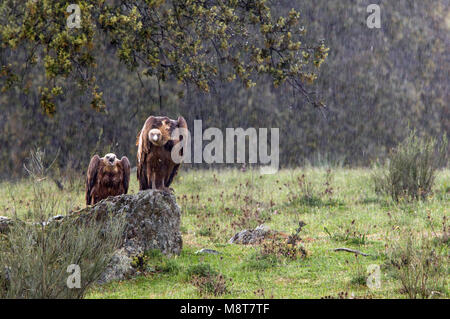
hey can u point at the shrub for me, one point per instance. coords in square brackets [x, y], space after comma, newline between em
[259, 261]
[170, 266]
[276, 249]
[35, 255]
[207, 280]
[301, 192]
[410, 170]
[201, 270]
[420, 265]
[349, 234]
[359, 276]
[153, 260]
[215, 285]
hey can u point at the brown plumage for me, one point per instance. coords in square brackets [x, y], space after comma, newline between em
[106, 176]
[156, 169]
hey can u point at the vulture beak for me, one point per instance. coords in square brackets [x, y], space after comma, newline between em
[155, 136]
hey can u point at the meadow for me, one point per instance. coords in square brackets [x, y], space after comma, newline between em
[338, 205]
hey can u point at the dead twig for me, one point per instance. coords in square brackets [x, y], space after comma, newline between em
[351, 251]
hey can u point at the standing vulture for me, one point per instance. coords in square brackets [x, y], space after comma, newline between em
[106, 176]
[156, 167]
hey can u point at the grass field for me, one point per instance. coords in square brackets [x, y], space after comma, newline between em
[340, 209]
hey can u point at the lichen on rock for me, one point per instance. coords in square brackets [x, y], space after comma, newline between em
[152, 221]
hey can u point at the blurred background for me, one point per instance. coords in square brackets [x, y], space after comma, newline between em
[378, 84]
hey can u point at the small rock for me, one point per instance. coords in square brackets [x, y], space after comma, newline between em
[4, 224]
[55, 218]
[207, 251]
[251, 236]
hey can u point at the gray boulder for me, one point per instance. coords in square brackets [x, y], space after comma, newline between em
[152, 222]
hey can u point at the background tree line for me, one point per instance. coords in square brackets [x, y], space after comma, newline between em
[377, 85]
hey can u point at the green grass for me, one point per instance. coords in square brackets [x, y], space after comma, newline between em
[217, 204]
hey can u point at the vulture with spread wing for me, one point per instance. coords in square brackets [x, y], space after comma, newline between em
[107, 176]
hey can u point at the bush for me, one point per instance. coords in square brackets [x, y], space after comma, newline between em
[350, 234]
[201, 270]
[420, 265]
[302, 192]
[259, 261]
[170, 266]
[215, 285]
[411, 168]
[276, 249]
[207, 280]
[35, 255]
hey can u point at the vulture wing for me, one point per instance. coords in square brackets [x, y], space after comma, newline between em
[143, 149]
[126, 172]
[91, 177]
[181, 123]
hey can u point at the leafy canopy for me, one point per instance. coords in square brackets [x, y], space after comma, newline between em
[191, 41]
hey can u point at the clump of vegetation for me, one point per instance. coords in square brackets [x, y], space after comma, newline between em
[260, 261]
[169, 266]
[350, 234]
[207, 280]
[261, 291]
[410, 171]
[283, 249]
[201, 270]
[359, 277]
[215, 285]
[340, 295]
[303, 192]
[443, 237]
[140, 262]
[289, 248]
[154, 261]
[420, 264]
[35, 255]
[346, 295]
[274, 250]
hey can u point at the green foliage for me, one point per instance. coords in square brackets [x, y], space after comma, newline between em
[275, 250]
[420, 264]
[154, 261]
[140, 262]
[324, 272]
[411, 169]
[207, 280]
[348, 234]
[215, 285]
[385, 80]
[302, 192]
[35, 255]
[192, 42]
[170, 266]
[201, 270]
[154, 254]
[259, 261]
